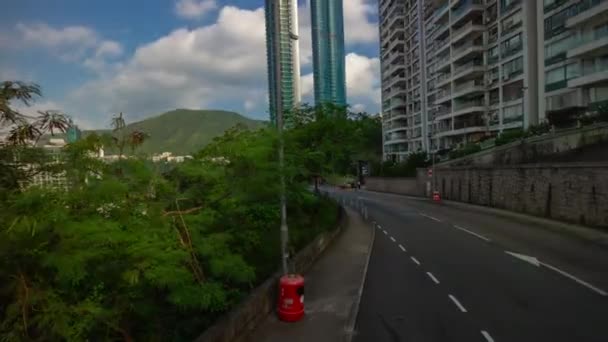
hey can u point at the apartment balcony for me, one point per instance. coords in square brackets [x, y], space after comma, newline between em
[467, 9]
[442, 45]
[396, 137]
[396, 8]
[592, 44]
[587, 10]
[443, 64]
[462, 108]
[443, 96]
[398, 42]
[469, 69]
[393, 127]
[512, 50]
[598, 74]
[511, 6]
[471, 30]
[393, 69]
[397, 117]
[396, 103]
[443, 79]
[395, 80]
[441, 11]
[467, 50]
[469, 88]
[398, 33]
[395, 92]
[396, 57]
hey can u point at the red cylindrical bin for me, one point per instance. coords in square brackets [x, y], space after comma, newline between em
[290, 306]
[436, 196]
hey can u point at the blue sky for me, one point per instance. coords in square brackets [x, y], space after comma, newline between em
[143, 57]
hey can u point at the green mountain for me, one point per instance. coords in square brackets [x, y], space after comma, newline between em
[184, 131]
[180, 131]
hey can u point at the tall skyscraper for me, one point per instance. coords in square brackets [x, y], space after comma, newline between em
[328, 51]
[282, 52]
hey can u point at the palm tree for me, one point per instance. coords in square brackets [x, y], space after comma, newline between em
[136, 138]
[15, 90]
[52, 120]
[23, 134]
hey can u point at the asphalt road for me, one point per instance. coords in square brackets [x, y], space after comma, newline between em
[438, 273]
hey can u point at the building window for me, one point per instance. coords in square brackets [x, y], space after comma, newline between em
[512, 114]
[511, 46]
[511, 23]
[558, 78]
[556, 51]
[493, 55]
[556, 24]
[506, 5]
[598, 94]
[513, 68]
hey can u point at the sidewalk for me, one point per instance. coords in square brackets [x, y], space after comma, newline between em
[331, 290]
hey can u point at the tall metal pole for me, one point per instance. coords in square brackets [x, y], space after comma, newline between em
[278, 108]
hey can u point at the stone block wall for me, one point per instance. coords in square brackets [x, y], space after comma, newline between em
[407, 186]
[574, 192]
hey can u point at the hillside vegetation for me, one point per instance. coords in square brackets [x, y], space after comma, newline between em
[185, 131]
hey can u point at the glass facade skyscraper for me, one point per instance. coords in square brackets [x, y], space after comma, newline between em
[288, 57]
[328, 51]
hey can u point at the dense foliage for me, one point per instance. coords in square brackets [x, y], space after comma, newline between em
[129, 253]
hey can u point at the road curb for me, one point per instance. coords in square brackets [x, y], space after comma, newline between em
[354, 311]
[587, 234]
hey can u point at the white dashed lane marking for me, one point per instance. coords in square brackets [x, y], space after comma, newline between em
[402, 248]
[392, 239]
[472, 233]
[462, 308]
[415, 260]
[432, 277]
[430, 217]
[487, 336]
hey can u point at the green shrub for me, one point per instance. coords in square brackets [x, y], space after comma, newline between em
[509, 136]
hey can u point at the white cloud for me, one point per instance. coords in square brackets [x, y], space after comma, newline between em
[70, 44]
[362, 77]
[359, 107]
[109, 48]
[194, 9]
[358, 28]
[99, 61]
[222, 62]
[45, 35]
[307, 84]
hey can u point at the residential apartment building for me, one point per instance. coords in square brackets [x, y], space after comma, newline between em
[329, 66]
[282, 51]
[403, 77]
[475, 62]
[574, 55]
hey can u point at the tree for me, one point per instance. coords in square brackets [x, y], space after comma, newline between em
[52, 120]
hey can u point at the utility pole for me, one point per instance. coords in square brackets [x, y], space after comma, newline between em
[278, 108]
[432, 151]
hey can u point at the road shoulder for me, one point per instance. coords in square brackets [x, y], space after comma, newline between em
[333, 288]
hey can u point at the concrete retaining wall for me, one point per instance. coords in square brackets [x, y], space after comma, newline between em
[574, 192]
[569, 192]
[237, 324]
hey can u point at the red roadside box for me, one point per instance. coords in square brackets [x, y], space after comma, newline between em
[290, 307]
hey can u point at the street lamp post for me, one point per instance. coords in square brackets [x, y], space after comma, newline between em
[278, 108]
